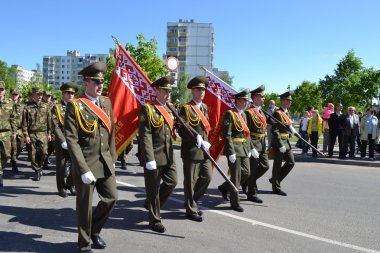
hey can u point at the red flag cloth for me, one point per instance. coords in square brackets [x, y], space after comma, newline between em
[129, 89]
[219, 98]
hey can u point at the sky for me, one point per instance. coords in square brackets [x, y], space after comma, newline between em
[273, 42]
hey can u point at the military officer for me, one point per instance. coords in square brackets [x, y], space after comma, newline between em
[18, 143]
[47, 98]
[196, 166]
[156, 133]
[61, 152]
[257, 124]
[8, 128]
[90, 137]
[237, 147]
[36, 127]
[282, 149]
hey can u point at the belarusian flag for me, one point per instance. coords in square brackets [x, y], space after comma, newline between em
[129, 89]
[219, 98]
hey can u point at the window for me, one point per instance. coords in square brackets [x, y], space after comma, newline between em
[172, 49]
[173, 30]
[63, 72]
[182, 39]
[182, 58]
[172, 40]
[182, 49]
[63, 66]
[182, 30]
[182, 69]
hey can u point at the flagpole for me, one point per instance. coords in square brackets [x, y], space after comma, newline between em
[202, 148]
[115, 40]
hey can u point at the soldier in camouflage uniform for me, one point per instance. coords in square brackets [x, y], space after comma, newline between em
[61, 153]
[36, 127]
[156, 132]
[18, 143]
[7, 129]
[47, 98]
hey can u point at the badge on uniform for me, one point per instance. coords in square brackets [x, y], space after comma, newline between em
[142, 118]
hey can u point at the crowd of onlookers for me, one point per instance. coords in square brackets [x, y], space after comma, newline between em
[353, 131]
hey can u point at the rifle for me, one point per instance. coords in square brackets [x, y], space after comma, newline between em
[192, 134]
[296, 134]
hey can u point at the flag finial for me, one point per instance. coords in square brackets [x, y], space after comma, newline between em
[115, 40]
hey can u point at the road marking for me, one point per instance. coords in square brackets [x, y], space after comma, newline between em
[267, 225]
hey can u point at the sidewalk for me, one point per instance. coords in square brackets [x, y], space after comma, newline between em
[333, 160]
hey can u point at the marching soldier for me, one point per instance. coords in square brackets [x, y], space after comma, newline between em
[282, 149]
[18, 143]
[61, 153]
[257, 124]
[8, 128]
[47, 98]
[36, 127]
[196, 166]
[90, 136]
[156, 133]
[237, 148]
[123, 155]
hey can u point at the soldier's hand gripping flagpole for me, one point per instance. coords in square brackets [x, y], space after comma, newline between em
[203, 149]
[296, 134]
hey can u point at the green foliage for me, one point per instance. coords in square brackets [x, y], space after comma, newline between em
[110, 67]
[271, 96]
[181, 92]
[307, 94]
[8, 75]
[145, 54]
[351, 84]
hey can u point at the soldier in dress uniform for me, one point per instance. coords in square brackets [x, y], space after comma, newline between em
[63, 172]
[237, 147]
[18, 143]
[36, 127]
[257, 124]
[196, 166]
[90, 137]
[282, 149]
[156, 133]
[8, 128]
[47, 98]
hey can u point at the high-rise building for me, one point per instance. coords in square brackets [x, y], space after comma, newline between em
[61, 69]
[24, 76]
[192, 44]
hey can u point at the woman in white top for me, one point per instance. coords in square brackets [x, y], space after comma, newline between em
[369, 132]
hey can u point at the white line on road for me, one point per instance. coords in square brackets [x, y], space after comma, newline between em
[267, 225]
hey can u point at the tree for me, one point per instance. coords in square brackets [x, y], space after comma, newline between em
[181, 92]
[351, 84]
[8, 75]
[305, 95]
[145, 54]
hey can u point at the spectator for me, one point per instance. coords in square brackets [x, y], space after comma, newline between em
[350, 132]
[270, 110]
[368, 133]
[336, 126]
[304, 123]
[315, 130]
[358, 141]
[325, 123]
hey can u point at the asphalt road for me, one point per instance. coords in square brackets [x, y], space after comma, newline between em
[329, 208]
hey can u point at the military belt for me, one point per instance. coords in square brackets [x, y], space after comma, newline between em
[4, 130]
[257, 135]
[284, 135]
[239, 139]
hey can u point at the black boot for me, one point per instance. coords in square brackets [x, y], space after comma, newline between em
[123, 165]
[14, 167]
[1, 181]
[46, 164]
[37, 176]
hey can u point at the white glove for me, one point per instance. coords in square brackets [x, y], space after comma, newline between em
[88, 177]
[249, 154]
[206, 145]
[199, 141]
[151, 165]
[283, 149]
[232, 158]
[64, 145]
[254, 153]
[292, 130]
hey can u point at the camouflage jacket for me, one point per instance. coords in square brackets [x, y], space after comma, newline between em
[36, 118]
[7, 116]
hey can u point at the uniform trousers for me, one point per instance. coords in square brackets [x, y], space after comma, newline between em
[280, 171]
